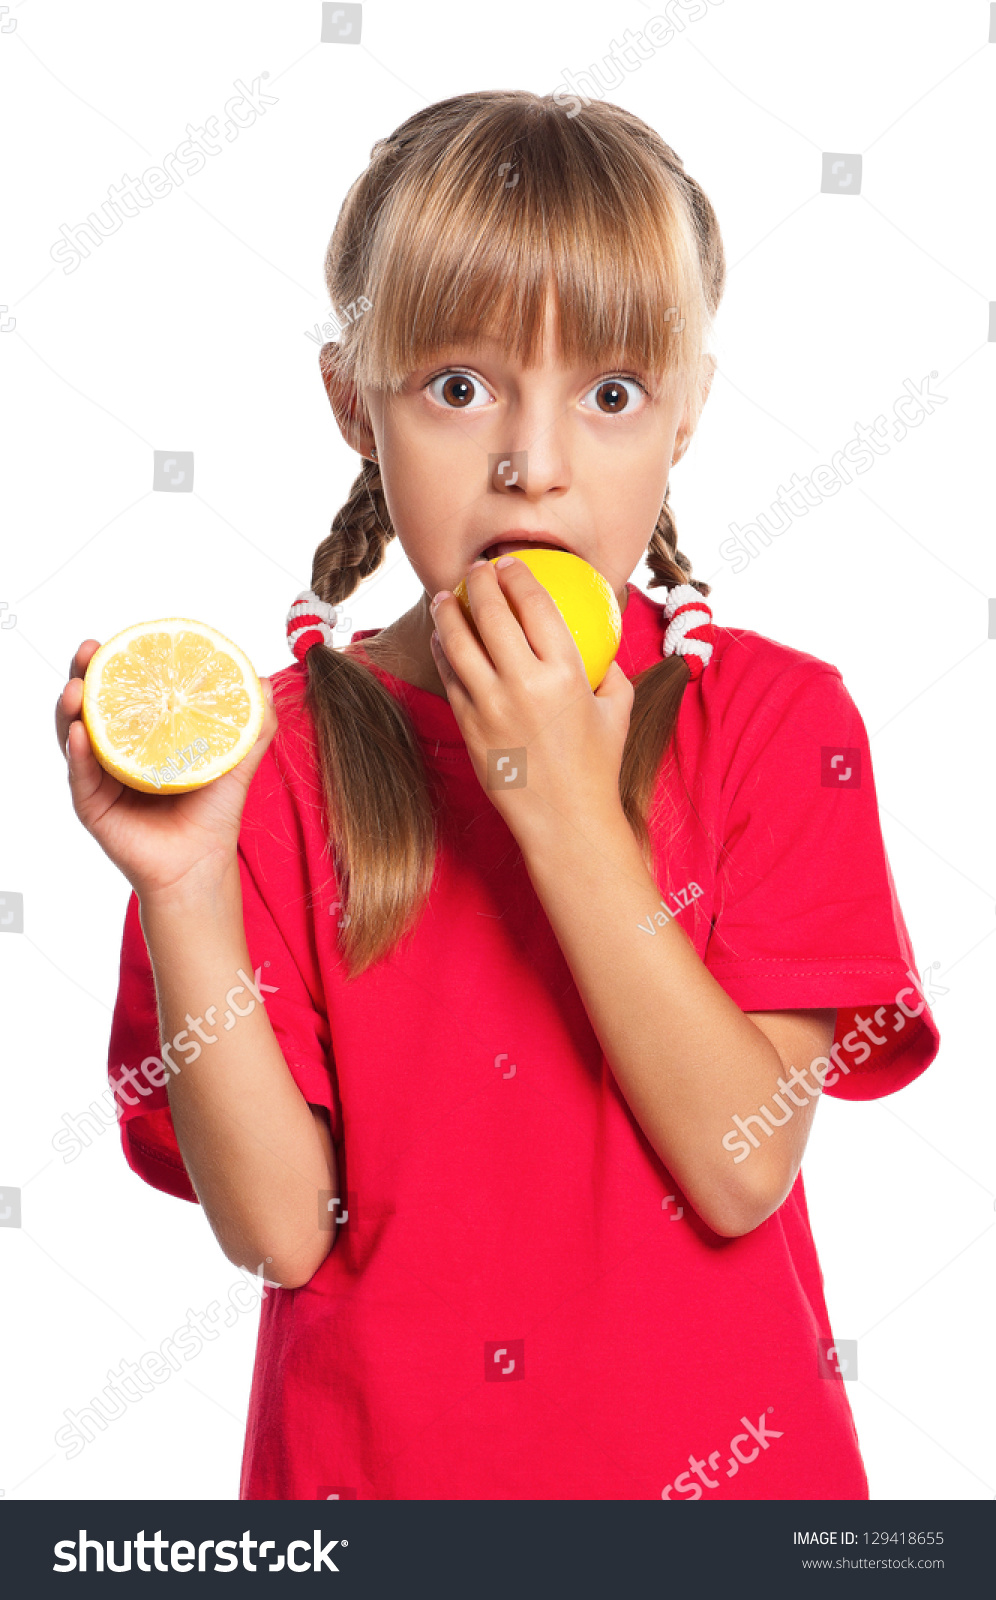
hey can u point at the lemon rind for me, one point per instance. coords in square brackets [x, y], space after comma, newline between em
[608, 594]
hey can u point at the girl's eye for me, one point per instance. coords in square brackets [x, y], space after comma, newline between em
[611, 395]
[458, 390]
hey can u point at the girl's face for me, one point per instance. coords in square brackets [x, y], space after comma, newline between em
[586, 453]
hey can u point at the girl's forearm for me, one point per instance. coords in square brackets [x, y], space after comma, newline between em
[684, 1054]
[258, 1156]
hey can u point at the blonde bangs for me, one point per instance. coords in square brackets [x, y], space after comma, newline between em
[487, 215]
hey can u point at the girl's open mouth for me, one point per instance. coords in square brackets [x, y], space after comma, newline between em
[510, 546]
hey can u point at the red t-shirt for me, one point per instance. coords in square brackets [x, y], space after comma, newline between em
[509, 1226]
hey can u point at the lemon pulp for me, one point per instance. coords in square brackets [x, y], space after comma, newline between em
[171, 705]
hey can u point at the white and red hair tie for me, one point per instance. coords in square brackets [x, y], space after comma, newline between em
[690, 632]
[310, 621]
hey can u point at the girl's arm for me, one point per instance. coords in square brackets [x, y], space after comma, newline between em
[259, 1156]
[685, 1056]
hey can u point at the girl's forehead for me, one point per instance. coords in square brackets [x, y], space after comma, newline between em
[431, 306]
[547, 355]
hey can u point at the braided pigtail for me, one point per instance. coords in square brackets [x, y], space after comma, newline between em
[378, 801]
[658, 690]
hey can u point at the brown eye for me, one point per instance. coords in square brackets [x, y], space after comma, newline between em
[611, 396]
[614, 396]
[458, 391]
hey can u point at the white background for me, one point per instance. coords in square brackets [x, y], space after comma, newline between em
[186, 330]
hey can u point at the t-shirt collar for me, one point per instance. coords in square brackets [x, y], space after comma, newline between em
[640, 647]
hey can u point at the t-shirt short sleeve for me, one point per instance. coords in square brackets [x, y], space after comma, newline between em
[284, 977]
[806, 914]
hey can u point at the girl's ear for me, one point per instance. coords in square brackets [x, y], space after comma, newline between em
[348, 409]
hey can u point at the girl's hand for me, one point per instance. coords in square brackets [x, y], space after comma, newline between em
[162, 843]
[529, 691]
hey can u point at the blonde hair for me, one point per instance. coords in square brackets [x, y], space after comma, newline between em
[441, 248]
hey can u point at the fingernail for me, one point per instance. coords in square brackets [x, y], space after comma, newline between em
[505, 561]
[434, 602]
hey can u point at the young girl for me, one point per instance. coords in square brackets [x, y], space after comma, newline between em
[539, 985]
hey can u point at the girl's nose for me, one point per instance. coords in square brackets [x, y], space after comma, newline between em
[533, 470]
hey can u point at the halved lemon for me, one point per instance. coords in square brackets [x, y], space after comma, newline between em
[171, 705]
[584, 598]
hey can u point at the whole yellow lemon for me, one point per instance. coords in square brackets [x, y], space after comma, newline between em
[584, 598]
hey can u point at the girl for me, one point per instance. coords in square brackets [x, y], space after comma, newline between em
[523, 1071]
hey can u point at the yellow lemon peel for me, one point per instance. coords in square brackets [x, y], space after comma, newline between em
[584, 598]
